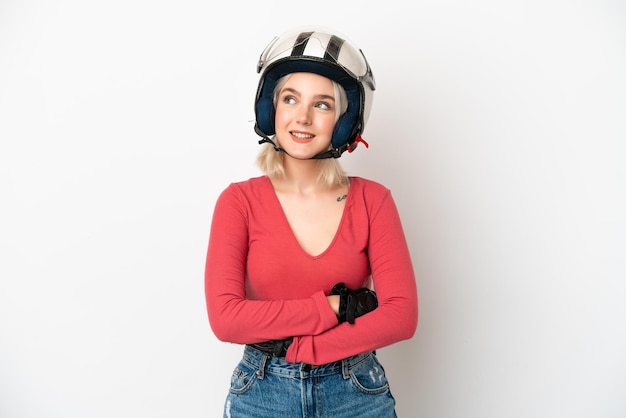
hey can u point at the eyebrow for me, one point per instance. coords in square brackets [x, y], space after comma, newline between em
[319, 96]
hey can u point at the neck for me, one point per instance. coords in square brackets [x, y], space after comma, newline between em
[300, 175]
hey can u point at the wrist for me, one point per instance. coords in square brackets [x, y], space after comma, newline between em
[333, 301]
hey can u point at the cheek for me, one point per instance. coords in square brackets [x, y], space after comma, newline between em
[281, 117]
[328, 124]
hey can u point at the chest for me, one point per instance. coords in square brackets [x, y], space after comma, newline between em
[314, 222]
[302, 250]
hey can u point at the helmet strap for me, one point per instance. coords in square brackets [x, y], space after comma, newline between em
[266, 139]
[331, 153]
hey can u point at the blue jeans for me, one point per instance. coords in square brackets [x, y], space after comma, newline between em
[269, 387]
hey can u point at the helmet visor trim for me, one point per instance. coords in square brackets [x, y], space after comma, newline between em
[320, 46]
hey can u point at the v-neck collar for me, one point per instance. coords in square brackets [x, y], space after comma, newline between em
[285, 221]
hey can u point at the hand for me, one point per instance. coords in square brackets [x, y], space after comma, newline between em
[354, 303]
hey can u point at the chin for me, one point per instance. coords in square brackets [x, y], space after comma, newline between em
[302, 155]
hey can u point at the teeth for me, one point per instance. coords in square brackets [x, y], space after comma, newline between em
[302, 136]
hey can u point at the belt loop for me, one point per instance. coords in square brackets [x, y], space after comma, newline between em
[345, 368]
[261, 371]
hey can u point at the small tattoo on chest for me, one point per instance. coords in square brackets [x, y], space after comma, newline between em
[340, 198]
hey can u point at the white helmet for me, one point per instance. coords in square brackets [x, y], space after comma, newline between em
[330, 55]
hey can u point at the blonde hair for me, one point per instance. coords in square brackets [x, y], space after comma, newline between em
[331, 173]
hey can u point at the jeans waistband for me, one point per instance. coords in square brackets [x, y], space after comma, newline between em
[265, 363]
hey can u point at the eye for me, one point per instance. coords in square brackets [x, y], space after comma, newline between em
[289, 99]
[324, 106]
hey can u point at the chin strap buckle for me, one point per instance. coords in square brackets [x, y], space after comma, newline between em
[358, 139]
[355, 144]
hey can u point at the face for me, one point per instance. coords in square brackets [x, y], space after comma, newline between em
[305, 115]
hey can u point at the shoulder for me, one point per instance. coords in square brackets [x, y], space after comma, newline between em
[373, 197]
[368, 188]
[248, 187]
[250, 183]
[246, 192]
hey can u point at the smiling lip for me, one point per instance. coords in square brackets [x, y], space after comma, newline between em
[301, 137]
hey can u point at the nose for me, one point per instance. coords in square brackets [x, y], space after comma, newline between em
[303, 115]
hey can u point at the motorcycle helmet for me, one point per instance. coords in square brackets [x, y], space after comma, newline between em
[322, 52]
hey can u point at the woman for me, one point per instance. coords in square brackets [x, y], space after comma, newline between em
[306, 266]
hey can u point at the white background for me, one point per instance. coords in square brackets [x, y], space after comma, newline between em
[499, 126]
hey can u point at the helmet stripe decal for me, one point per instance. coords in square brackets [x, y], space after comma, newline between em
[300, 44]
[333, 48]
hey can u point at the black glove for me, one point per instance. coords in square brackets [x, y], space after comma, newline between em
[275, 348]
[354, 303]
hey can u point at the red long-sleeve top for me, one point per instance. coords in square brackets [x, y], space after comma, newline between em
[261, 285]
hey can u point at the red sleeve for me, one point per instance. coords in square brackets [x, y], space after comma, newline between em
[232, 316]
[395, 319]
